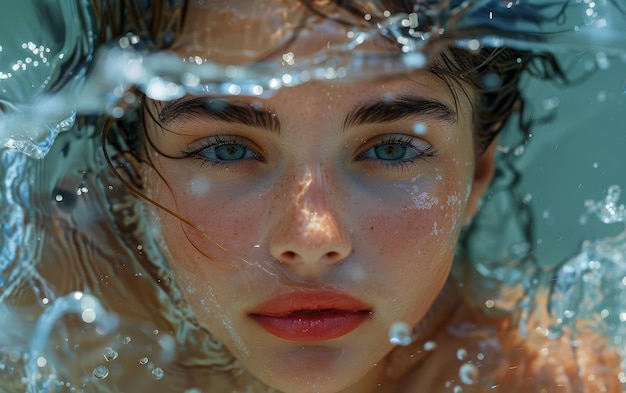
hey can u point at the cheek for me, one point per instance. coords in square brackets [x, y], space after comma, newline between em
[428, 208]
[410, 234]
[219, 221]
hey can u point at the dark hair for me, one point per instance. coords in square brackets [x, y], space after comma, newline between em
[495, 75]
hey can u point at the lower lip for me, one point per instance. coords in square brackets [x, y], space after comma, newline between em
[312, 327]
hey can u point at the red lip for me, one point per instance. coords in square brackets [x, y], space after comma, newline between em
[311, 315]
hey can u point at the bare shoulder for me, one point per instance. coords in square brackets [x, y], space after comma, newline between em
[581, 362]
[480, 354]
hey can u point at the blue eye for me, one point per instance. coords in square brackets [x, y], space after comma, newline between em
[397, 150]
[227, 152]
[222, 150]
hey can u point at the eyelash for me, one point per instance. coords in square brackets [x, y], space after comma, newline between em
[215, 142]
[422, 152]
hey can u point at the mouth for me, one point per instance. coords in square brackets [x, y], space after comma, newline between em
[311, 315]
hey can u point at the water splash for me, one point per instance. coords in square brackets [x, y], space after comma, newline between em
[588, 290]
[608, 211]
[90, 311]
[44, 83]
[45, 51]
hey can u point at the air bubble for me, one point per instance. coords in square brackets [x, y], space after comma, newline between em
[124, 42]
[602, 60]
[110, 354]
[461, 354]
[143, 360]
[234, 89]
[101, 372]
[157, 373]
[430, 345]
[551, 103]
[400, 334]
[41, 361]
[88, 315]
[468, 373]
[473, 45]
[491, 81]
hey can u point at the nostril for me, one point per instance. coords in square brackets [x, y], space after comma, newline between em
[332, 255]
[288, 255]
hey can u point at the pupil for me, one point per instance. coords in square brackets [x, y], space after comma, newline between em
[230, 152]
[390, 151]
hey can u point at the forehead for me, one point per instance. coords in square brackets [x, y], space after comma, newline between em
[300, 37]
[242, 31]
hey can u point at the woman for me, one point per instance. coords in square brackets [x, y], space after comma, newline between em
[305, 226]
[312, 232]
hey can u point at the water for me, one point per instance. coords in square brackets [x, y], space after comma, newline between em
[76, 248]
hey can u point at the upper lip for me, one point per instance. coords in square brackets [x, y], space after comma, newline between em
[309, 300]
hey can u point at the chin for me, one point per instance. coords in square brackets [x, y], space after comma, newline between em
[312, 369]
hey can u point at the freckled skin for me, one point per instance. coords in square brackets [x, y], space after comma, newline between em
[318, 214]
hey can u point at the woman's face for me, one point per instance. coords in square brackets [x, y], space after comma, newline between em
[317, 218]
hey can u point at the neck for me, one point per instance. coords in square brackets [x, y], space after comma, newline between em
[401, 360]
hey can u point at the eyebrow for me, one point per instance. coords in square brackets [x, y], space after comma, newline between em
[221, 110]
[381, 111]
[399, 108]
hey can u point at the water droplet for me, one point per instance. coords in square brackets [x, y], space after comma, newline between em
[143, 360]
[101, 372]
[157, 373]
[88, 315]
[473, 45]
[400, 334]
[127, 340]
[419, 128]
[110, 354]
[551, 103]
[468, 373]
[41, 361]
[602, 60]
[491, 81]
[430, 345]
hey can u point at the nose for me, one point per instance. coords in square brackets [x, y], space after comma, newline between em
[310, 236]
